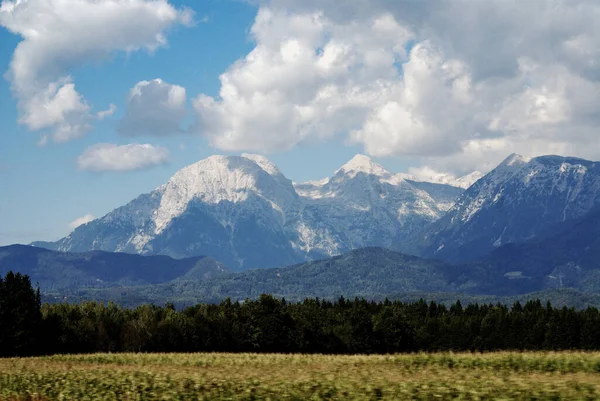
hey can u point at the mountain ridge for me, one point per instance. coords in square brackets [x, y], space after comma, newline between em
[244, 212]
[515, 202]
[61, 270]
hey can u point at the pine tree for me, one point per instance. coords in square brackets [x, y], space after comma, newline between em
[20, 316]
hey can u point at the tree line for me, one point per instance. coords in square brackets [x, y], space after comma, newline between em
[269, 324]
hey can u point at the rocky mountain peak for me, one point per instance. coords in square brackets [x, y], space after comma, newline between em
[362, 164]
[514, 162]
[519, 200]
[222, 178]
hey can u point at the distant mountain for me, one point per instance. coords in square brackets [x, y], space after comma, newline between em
[245, 213]
[520, 200]
[529, 225]
[57, 270]
[463, 182]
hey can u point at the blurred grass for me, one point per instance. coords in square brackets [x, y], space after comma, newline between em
[494, 376]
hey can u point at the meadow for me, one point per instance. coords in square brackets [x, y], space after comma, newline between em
[440, 376]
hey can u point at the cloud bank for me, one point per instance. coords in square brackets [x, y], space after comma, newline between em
[457, 85]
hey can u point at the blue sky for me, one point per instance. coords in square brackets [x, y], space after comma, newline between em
[42, 190]
[420, 87]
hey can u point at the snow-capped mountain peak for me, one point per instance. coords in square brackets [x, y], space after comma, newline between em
[514, 161]
[517, 201]
[221, 178]
[362, 164]
[427, 174]
[264, 163]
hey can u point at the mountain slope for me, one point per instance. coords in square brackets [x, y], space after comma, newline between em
[58, 270]
[368, 272]
[569, 257]
[245, 213]
[518, 201]
[443, 195]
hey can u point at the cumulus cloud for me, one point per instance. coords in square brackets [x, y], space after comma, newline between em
[110, 157]
[455, 85]
[58, 106]
[81, 221]
[307, 77]
[61, 34]
[154, 108]
[102, 114]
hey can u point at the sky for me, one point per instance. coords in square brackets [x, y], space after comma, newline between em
[102, 100]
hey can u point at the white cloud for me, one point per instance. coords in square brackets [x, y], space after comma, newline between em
[81, 221]
[111, 157]
[61, 34]
[307, 77]
[434, 99]
[59, 106]
[101, 115]
[154, 108]
[456, 86]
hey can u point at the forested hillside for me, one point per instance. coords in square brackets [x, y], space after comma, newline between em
[268, 324]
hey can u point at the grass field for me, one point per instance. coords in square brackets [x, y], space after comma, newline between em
[497, 376]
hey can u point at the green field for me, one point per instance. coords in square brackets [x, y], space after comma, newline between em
[497, 376]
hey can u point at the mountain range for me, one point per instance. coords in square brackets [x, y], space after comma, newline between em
[372, 273]
[245, 213]
[528, 225]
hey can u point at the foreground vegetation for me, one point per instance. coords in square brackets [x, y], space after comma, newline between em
[520, 376]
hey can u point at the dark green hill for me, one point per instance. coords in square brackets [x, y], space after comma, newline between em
[368, 272]
[65, 270]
